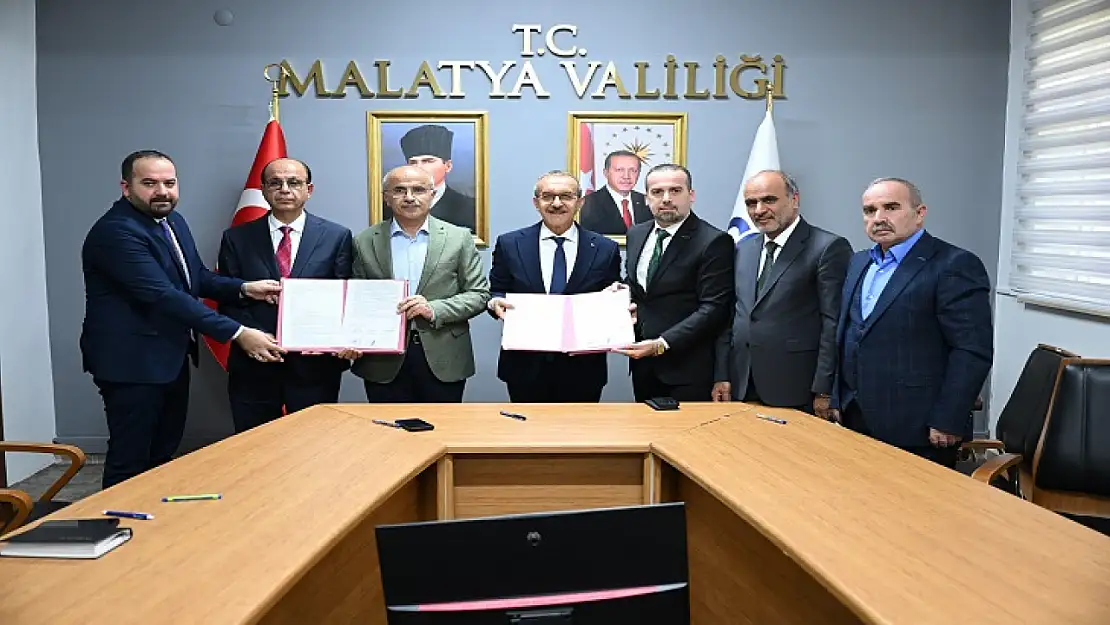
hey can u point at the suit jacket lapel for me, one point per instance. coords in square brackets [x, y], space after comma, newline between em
[310, 238]
[913, 262]
[528, 246]
[182, 243]
[637, 238]
[675, 248]
[747, 269]
[264, 245]
[380, 244]
[857, 267]
[437, 240]
[584, 259]
[794, 246]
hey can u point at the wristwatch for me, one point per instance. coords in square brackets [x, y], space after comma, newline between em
[659, 347]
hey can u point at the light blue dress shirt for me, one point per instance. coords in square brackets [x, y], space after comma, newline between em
[881, 269]
[408, 253]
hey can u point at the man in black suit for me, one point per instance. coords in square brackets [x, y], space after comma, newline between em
[616, 207]
[287, 243]
[143, 316]
[781, 348]
[679, 269]
[914, 334]
[552, 256]
[429, 148]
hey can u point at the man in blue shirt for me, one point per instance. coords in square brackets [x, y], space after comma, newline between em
[914, 335]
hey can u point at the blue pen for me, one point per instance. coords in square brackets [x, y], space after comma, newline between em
[771, 419]
[513, 415]
[130, 515]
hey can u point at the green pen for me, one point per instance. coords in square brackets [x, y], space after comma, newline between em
[192, 497]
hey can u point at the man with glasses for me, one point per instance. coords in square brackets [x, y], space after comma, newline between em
[447, 287]
[287, 243]
[554, 255]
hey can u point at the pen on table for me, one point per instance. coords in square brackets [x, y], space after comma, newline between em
[772, 419]
[130, 515]
[192, 497]
[386, 423]
[514, 415]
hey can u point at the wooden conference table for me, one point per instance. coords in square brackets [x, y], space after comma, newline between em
[799, 523]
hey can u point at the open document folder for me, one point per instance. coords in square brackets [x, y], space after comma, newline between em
[586, 322]
[317, 315]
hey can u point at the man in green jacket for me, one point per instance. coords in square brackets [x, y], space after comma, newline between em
[447, 288]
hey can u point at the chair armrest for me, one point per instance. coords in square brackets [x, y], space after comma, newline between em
[995, 467]
[75, 455]
[21, 502]
[982, 444]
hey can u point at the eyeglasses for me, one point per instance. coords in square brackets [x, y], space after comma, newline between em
[403, 191]
[567, 198]
[295, 184]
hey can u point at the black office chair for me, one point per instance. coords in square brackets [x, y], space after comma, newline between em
[1019, 425]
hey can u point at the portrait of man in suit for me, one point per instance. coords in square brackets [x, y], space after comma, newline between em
[289, 242]
[431, 147]
[554, 255]
[447, 288]
[914, 336]
[780, 349]
[617, 205]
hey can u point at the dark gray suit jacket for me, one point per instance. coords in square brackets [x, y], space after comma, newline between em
[785, 335]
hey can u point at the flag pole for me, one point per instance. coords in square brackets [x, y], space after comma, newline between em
[282, 72]
[770, 97]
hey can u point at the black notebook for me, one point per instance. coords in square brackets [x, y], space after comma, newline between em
[77, 538]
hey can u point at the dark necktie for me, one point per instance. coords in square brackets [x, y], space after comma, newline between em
[559, 267]
[168, 235]
[771, 247]
[285, 252]
[660, 236]
[625, 214]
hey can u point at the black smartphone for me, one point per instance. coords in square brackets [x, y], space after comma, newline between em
[414, 425]
[662, 403]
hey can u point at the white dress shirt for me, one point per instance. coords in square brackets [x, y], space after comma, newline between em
[439, 193]
[547, 252]
[649, 249]
[779, 240]
[294, 235]
[617, 197]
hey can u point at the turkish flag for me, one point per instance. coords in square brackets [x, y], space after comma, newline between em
[586, 172]
[252, 206]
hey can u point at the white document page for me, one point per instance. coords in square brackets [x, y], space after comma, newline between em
[602, 321]
[371, 320]
[535, 323]
[311, 314]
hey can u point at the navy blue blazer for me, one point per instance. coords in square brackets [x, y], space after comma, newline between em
[247, 252]
[139, 308]
[926, 348]
[516, 269]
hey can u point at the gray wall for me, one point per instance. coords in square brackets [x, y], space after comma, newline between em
[875, 87]
[28, 392]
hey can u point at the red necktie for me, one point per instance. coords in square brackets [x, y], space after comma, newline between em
[624, 213]
[285, 252]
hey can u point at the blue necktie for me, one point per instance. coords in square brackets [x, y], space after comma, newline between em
[559, 269]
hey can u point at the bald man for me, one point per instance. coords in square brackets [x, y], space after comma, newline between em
[447, 288]
[287, 243]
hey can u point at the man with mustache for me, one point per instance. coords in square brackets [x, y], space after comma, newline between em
[143, 316]
[914, 334]
[447, 288]
[616, 206]
[780, 349]
[552, 256]
[287, 243]
[679, 269]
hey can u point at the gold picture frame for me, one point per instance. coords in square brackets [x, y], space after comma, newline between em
[392, 137]
[653, 137]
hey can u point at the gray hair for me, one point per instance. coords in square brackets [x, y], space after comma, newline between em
[556, 173]
[787, 180]
[915, 193]
[385, 178]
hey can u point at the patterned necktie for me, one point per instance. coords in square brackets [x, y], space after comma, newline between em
[559, 268]
[771, 247]
[285, 252]
[168, 235]
[660, 236]
[625, 214]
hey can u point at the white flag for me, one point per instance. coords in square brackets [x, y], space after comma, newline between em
[764, 155]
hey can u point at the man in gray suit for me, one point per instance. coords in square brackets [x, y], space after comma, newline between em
[447, 286]
[781, 348]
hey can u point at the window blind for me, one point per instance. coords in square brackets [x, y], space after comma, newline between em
[1061, 236]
